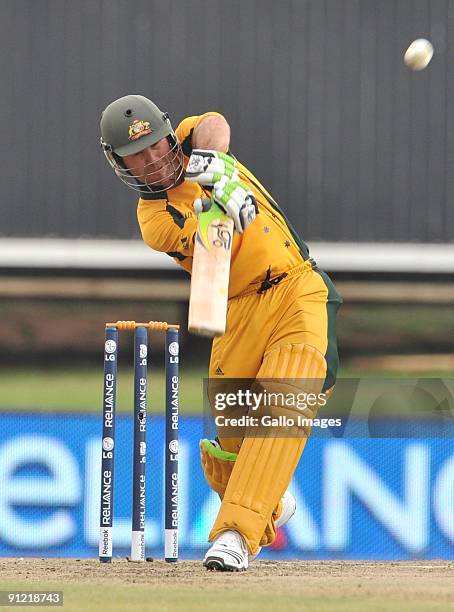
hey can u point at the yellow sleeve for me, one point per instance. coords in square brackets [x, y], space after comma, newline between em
[169, 228]
[186, 128]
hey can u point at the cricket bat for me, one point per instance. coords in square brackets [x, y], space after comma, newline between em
[210, 273]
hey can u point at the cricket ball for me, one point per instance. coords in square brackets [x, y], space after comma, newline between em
[419, 54]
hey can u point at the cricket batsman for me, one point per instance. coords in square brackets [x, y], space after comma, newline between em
[281, 309]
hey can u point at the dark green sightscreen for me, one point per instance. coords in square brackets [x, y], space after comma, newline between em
[352, 144]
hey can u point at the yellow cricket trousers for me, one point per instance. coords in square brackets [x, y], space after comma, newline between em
[285, 331]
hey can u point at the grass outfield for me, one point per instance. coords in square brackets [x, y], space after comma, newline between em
[315, 586]
[93, 598]
[81, 389]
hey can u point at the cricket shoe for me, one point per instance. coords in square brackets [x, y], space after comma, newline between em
[228, 553]
[288, 510]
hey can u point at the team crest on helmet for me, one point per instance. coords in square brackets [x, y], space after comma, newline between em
[139, 128]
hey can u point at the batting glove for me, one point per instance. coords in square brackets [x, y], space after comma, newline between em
[202, 205]
[208, 167]
[237, 201]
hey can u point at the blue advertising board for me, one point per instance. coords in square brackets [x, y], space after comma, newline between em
[357, 498]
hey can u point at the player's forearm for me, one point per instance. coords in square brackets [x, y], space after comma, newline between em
[213, 133]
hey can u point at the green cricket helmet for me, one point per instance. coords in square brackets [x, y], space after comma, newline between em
[131, 124]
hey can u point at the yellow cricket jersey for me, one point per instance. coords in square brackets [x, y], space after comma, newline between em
[267, 249]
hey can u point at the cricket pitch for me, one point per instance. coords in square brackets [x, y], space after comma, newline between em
[267, 586]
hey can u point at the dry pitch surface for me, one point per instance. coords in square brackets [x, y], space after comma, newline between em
[268, 585]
